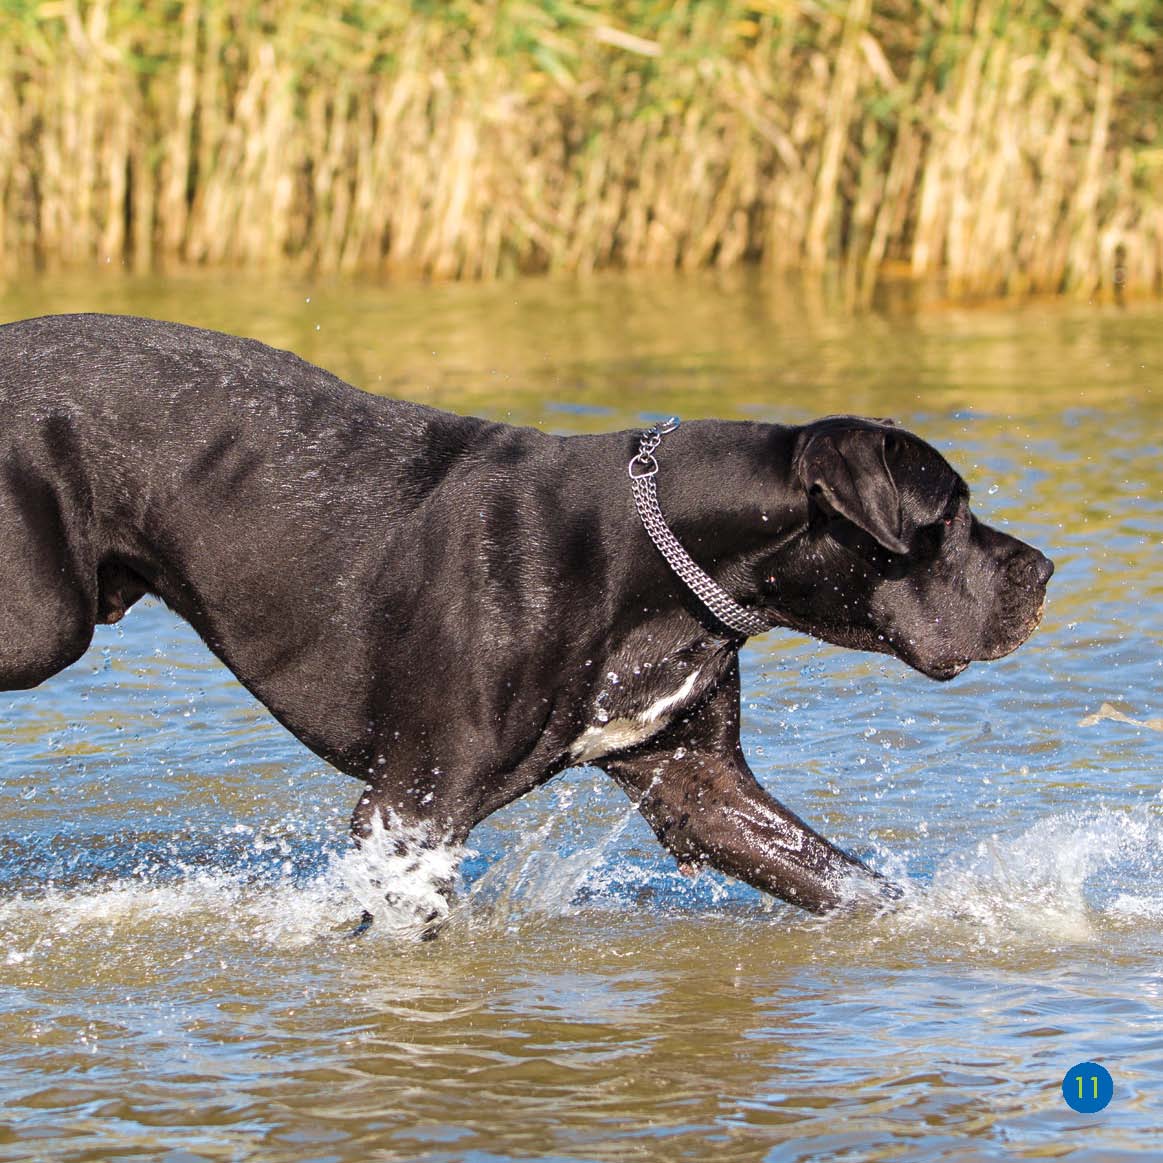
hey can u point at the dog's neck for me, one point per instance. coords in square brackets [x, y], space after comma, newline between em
[642, 469]
[731, 538]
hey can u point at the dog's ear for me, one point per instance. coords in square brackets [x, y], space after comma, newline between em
[847, 468]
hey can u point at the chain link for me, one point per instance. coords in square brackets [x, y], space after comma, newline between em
[643, 468]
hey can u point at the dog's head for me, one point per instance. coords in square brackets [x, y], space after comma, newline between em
[891, 559]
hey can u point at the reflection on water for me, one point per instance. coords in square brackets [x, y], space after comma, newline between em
[175, 890]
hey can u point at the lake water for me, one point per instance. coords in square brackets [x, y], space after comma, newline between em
[174, 882]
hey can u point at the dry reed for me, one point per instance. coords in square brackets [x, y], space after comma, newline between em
[1012, 147]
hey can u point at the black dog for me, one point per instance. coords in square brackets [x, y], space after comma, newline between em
[454, 611]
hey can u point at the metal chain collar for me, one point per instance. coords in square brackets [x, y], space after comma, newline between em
[643, 468]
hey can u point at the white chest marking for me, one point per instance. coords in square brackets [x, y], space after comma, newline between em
[659, 707]
[618, 734]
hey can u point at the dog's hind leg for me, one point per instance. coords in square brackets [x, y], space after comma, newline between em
[696, 791]
[47, 599]
[406, 868]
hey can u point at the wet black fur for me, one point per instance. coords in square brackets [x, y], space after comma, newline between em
[435, 604]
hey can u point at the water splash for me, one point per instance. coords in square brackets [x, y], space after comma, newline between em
[402, 877]
[1059, 880]
[538, 877]
[1067, 879]
[397, 874]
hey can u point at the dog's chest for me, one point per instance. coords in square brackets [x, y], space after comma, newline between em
[626, 714]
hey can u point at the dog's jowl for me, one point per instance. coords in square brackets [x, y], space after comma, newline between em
[454, 611]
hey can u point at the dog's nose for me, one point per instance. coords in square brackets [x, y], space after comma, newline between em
[1031, 568]
[1045, 569]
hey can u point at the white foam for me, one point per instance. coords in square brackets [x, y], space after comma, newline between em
[1066, 879]
[400, 876]
[1130, 906]
[396, 875]
[1034, 885]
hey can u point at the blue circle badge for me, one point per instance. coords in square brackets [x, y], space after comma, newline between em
[1087, 1088]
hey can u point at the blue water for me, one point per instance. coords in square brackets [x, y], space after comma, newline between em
[175, 883]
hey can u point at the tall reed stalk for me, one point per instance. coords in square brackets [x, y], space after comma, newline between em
[1013, 145]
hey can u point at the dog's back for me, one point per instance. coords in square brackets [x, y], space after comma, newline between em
[292, 519]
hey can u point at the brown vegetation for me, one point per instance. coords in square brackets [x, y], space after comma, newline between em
[1011, 146]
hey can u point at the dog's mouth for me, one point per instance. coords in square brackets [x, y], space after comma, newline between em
[944, 671]
[929, 659]
[1012, 640]
[947, 668]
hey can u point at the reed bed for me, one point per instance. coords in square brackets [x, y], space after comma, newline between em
[1011, 145]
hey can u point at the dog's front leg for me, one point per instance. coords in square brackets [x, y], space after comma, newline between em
[696, 791]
